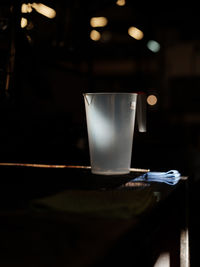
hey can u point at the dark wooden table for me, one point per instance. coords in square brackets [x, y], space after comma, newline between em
[69, 217]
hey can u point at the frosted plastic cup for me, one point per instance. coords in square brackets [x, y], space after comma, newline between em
[110, 124]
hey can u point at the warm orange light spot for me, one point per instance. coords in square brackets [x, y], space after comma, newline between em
[98, 22]
[95, 35]
[44, 10]
[24, 22]
[152, 100]
[121, 2]
[135, 33]
[26, 8]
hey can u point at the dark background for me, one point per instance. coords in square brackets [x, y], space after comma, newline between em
[51, 62]
[55, 62]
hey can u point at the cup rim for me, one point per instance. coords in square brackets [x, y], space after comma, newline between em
[110, 93]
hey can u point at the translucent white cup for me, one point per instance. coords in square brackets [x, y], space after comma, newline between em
[110, 124]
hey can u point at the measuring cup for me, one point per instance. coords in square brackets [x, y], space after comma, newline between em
[110, 124]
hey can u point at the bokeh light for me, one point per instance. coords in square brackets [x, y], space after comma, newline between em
[95, 35]
[135, 33]
[98, 22]
[153, 46]
[152, 100]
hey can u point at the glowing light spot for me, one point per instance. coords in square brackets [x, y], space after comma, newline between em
[40, 8]
[152, 100]
[135, 33]
[153, 46]
[121, 2]
[98, 22]
[24, 22]
[44, 10]
[95, 35]
[26, 8]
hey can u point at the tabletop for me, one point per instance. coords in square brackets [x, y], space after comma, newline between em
[70, 217]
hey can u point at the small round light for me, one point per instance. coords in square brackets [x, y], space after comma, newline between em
[121, 2]
[152, 100]
[95, 35]
[153, 46]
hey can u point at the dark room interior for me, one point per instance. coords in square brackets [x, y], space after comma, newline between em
[50, 55]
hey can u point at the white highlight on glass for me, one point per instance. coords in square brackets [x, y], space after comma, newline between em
[24, 22]
[184, 248]
[152, 100]
[98, 22]
[121, 2]
[95, 35]
[153, 46]
[101, 130]
[135, 33]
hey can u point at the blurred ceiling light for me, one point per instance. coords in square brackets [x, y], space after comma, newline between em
[153, 46]
[98, 22]
[44, 10]
[121, 2]
[26, 8]
[95, 35]
[24, 22]
[152, 100]
[135, 33]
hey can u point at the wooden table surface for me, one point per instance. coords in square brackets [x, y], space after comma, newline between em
[69, 217]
